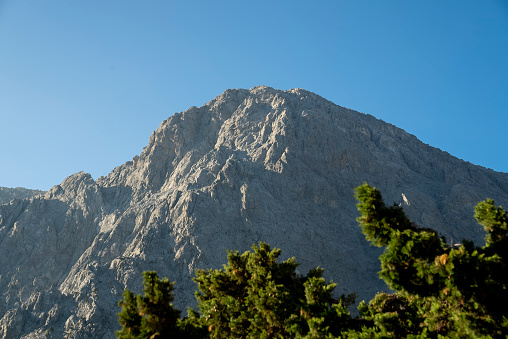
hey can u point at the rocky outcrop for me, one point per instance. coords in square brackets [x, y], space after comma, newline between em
[251, 165]
[7, 194]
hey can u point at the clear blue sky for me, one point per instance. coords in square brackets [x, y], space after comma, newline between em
[83, 83]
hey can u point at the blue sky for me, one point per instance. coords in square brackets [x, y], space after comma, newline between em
[84, 83]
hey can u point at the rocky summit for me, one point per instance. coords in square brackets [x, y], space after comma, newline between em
[250, 165]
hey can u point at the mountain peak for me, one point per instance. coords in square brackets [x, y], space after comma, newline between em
[250, 165]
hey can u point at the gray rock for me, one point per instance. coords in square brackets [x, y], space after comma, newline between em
[251, 165]
[7, 194]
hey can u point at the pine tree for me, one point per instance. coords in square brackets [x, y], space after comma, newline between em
[254, 296]
[129, 317]
[440, 289]
[151, 315]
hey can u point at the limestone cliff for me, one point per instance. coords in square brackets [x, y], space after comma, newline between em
[251, 165]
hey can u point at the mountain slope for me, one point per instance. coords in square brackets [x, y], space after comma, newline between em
[7, 194]
[251, 165]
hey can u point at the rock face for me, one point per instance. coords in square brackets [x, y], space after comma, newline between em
[251, 165]
[7, 194]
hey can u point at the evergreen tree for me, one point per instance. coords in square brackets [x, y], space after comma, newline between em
[129, 317]
[441, 290]
[254, 296]
[151, 315]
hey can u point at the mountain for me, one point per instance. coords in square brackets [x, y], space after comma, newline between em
[7, 194]
[250, 165]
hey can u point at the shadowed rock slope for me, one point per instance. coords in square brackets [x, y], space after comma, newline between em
[251, 165]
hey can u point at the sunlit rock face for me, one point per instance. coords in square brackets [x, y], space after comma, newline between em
[251, 165]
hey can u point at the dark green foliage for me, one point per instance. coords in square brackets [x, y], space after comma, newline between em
[322, 315]
[393, 315]
[193, 326]
[377, 220]
[494, 220]
[254, 296]
[151, 315]
[441, 290]
[409, 249]
[129, 317]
